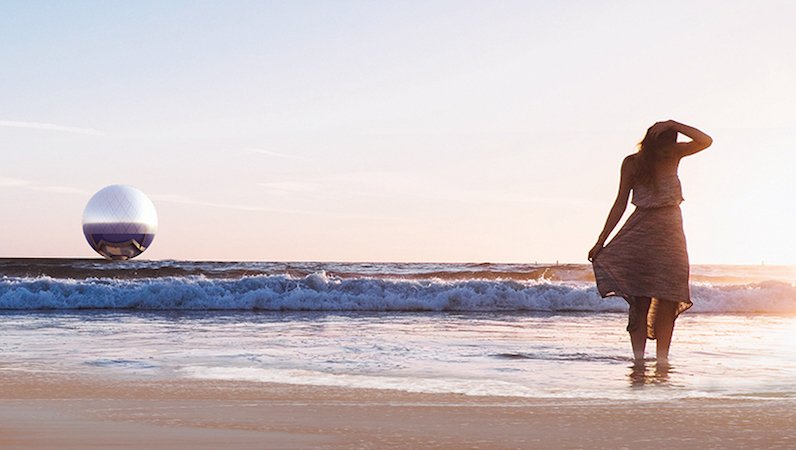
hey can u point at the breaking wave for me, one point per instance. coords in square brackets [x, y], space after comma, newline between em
[321, 292]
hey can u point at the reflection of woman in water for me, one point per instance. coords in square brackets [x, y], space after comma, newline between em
[647, 261]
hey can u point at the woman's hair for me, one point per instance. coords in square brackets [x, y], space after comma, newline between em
[651, 150]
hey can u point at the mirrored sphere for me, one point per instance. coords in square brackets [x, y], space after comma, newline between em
[120, 222]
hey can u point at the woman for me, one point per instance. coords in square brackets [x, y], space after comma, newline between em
[647, 261]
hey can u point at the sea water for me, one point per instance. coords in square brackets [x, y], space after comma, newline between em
[475, 329]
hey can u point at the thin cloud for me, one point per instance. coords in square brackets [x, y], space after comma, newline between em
[50, 127]
[13, 182]
[60, 190]
[6, 182]
[275, 154]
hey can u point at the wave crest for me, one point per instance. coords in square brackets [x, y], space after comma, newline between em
[320, 292]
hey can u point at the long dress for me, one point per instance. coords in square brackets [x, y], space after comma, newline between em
[648, 256]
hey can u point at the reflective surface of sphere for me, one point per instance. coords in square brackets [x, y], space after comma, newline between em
[120, 222]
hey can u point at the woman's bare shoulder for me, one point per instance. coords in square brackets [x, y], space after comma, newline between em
[629, 163]
[629, 170]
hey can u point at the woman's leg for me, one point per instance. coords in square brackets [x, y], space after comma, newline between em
[664, 328]
[637, 325]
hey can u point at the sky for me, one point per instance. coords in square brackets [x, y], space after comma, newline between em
[392, 131]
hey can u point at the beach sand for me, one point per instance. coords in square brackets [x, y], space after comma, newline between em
[57, 411]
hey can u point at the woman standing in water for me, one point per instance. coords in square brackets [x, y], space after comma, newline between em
[646, 263]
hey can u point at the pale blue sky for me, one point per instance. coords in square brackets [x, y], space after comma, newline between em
[404, 131]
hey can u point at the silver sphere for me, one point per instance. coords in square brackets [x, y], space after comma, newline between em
[120, 222]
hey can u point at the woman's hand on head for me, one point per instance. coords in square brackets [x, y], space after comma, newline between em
[659, 127]
[598, 247]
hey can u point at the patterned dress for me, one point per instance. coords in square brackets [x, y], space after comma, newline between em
[648, 256]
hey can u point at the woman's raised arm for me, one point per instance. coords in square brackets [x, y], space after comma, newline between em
[699, 140]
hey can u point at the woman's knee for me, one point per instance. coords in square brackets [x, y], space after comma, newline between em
[666, 307]
[665, 313]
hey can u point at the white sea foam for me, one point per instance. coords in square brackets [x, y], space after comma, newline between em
[475, 386]
[320, 292]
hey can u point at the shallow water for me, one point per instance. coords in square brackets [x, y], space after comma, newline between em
[582, 355]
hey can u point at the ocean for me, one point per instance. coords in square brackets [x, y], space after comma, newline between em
[527, 330]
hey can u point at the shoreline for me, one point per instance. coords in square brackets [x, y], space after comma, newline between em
[53, 410]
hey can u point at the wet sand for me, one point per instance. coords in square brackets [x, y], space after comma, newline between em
[58, 411]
